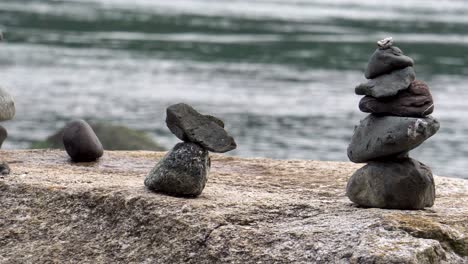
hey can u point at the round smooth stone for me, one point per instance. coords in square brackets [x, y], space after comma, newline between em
[81, 143]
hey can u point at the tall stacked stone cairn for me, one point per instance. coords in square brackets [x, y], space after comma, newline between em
[398, 122]
[183, 171]
[7, 112]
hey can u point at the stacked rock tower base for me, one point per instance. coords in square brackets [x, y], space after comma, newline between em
[398, 122]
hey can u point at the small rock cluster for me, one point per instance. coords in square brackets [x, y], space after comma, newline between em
[398, 122]
[183, 171]
[81, 143]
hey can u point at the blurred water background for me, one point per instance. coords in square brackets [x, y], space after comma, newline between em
[281, 73]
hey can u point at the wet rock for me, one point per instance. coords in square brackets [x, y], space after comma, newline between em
[190, 126]
[7, 106]
[81, 143]
[395, 184]
[3, 135]
[385, 60]
[377, 137]
[183, 171]
[388, 84]
[416, 101]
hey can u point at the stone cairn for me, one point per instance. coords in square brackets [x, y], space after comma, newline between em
[81, 143]
[183, 171]
[7, 112]
[398, 122]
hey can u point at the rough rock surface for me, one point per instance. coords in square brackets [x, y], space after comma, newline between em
[377, 137]
[252, 211]
[80, 142]
[182, 172]
[7, 106]
[397, 184]
[416, 101]
[388, 84]
[386, 60]
[208, 131]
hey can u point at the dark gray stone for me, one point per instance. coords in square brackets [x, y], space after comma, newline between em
[395, 184]
[3, 135]
[386, 60]
[378, 137]
[81, 143]
[4, 169]
[190, 126]
[183, 171]
[7, 106]
[416, 101]
[388, 84]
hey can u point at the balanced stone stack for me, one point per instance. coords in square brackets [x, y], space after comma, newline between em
[183, 171]
[399, 121]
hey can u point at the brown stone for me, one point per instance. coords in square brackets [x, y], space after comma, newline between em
[416, 101]
[251, 211]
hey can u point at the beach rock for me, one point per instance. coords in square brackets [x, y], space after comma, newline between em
[81, 143]
[183, 171]
[3, 135]
[111, 136]
[388, 84]
[190, 126]
[254, 210]
[416, 101]
[379, 137]
[395, 184]
[385, 60]
[7, 106]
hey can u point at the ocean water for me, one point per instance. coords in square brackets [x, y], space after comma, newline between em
[280, 73]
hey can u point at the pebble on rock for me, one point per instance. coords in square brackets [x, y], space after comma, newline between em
[378, 137]
[416, 101]
[81, 143]
[7, 106]
[385, 60]
[393, 184]
[190, 126]
[183, 171]
[388, 84]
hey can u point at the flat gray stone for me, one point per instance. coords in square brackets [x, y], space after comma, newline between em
[379, 137]
[81, 143]
[386, 60]
[395, 184]
[416, 101]
[7, 106]
[388, 84]
[183, 171]
[190, 126]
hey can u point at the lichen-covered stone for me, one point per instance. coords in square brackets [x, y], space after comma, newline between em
[378, 137]
[252, 211]
[394, 184]
[388, 84]
[182, 172]
[7, 106]
[190, 126]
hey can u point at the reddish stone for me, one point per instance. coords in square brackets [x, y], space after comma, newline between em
[416, 101]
